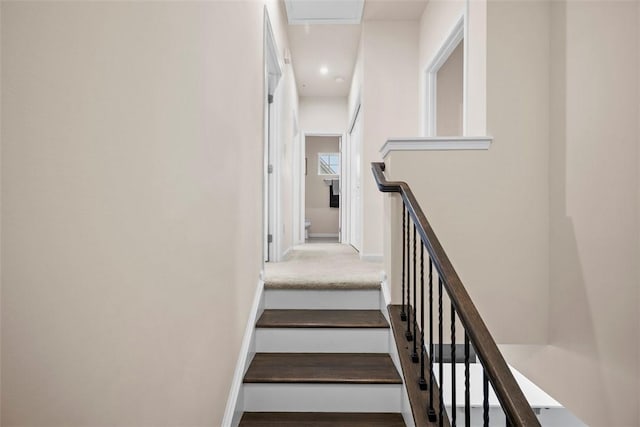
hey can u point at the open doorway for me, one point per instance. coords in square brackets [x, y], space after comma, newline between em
[446, 87]
[322, 183]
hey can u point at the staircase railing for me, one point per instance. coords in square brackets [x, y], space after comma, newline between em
[495, 370]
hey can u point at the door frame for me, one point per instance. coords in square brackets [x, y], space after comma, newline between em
[299, 184]
[271, 181]
[349, 204]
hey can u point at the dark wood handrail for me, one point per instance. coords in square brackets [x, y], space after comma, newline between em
[509, 394]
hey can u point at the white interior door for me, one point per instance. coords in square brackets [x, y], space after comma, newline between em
[355, 174]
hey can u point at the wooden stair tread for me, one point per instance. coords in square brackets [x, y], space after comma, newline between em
[337, 368]
[322, 319]
[321, 419]
[322, 285]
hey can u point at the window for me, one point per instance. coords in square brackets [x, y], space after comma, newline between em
[328, 163]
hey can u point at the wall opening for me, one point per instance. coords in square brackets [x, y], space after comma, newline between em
[449, 94]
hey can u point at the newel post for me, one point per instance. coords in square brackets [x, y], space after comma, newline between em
[392, 240]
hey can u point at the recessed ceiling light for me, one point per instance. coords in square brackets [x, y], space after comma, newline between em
[324, 70]
[339, 79]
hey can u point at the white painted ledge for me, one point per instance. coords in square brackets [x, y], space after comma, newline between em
[436, 143]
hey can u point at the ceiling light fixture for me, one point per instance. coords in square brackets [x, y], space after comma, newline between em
[324, 70]
[339, 79]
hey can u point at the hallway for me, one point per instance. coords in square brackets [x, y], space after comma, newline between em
[323, 266]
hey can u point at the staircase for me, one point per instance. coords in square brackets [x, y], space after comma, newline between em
[322, 359]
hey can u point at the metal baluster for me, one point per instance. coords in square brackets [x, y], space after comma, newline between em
[467, 392]
[485, 402]
[414, 355]
[422, 382]
[440, 355]
[403, 314]
[431, 412]
[453, 366]
[408, 334]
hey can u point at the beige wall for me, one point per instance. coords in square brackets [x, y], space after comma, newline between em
[323, 114]
[593, 193]
[130, 258]
[449, 81]
[0, 214]
[389, 106]
[489, 208]
[594, 141]
[543, 227]
[324, 219]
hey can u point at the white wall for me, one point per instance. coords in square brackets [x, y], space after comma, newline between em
[323, 114]
[288, 131]
[389, 107]
[355, 90]
[131, 243]
[324, 219]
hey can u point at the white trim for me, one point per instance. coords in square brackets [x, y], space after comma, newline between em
[440, 143]
[354, 116]
[312, 235]
[405, 405]
[235, 401]
[372, 257]
[386, 294]
[271, 114]
[456, 35]
[286, 253]
[353, 207]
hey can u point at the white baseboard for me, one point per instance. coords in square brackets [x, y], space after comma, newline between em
[286, 253]
[235, 402]
[372, 257]
[312, 235]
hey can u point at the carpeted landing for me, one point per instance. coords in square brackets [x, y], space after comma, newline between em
[323, 266]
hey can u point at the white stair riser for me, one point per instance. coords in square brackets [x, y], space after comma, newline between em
[322, 397]
[320, 340]
[368, 299]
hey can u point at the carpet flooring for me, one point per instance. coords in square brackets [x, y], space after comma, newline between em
[323, 266]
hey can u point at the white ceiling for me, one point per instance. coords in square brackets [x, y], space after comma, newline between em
[335, 46]
[393, 10]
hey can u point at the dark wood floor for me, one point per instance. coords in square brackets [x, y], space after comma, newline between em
[322, 419]
[338, 368]
[322, 319]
